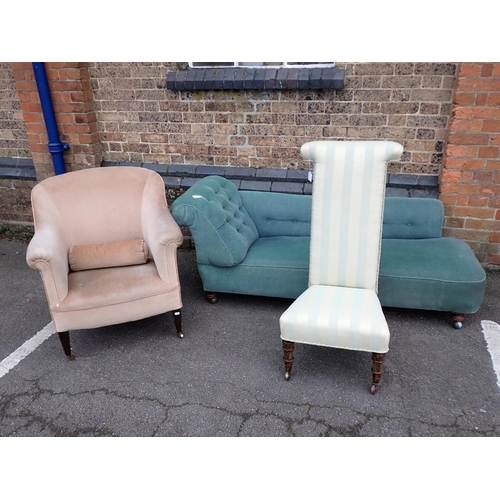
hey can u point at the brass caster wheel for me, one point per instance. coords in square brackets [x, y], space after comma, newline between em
[180, 335]
[457, 325]
[287, 375]
[71, 356]
[373, 389]
[213, 300]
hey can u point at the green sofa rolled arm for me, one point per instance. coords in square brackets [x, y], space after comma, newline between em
[215, 214]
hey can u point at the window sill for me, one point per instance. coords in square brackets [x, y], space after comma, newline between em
[256, 79]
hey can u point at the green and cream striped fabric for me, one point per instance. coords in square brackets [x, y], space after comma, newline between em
[340, 308]
[347, 210]
[332, 316]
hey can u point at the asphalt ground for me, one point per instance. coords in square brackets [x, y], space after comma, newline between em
[226, 377]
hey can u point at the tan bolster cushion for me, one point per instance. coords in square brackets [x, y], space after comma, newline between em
[121, 253]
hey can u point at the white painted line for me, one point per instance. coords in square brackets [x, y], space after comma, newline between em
[28, 347]
[491, 332]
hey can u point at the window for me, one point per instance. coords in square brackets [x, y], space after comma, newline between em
[260, 64]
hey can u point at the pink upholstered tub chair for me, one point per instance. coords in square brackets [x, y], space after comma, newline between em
[106, 248]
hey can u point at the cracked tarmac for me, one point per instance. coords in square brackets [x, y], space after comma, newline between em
[226, 377]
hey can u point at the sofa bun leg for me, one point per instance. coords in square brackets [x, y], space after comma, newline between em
[458, 320]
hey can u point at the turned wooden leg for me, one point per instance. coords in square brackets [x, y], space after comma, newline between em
[458, 320]
[288, 357]
[212, 297]
[178, 322]
[66, 345]
[378, 361]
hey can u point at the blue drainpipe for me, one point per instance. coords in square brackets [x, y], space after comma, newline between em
[56, 147]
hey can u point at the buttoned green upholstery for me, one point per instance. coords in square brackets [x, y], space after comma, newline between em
[216, 215]
[248, 242]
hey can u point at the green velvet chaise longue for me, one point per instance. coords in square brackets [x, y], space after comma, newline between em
[257, 243]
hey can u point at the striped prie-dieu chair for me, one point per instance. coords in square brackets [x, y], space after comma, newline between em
[340, 307]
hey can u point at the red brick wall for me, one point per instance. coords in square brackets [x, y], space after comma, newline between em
[470, 180]
[72, 98]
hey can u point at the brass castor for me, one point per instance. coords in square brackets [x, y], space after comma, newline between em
[180, 335]
[373, 389]
[287, 375]
[458, 320]
[212, 297]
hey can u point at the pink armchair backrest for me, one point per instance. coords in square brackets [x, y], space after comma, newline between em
[81, 207]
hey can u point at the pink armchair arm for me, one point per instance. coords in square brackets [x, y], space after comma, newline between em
[48, 253]
[160, 231]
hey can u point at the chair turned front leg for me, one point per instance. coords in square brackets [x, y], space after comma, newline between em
[288, 357]
[66, 345]
[178, 322]
[378, 361]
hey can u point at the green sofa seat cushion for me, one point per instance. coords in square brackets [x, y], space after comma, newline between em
[440, 274]
[277, 266]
